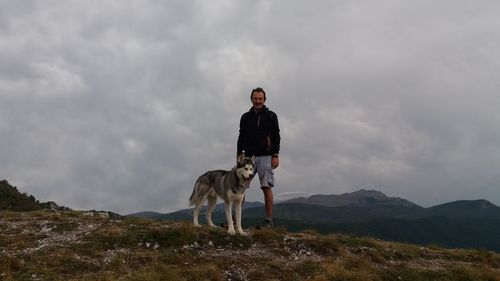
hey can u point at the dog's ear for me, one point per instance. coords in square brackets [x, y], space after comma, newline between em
[241, 158]
[253, 159]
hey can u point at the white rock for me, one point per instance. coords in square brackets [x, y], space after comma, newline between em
[104, 215]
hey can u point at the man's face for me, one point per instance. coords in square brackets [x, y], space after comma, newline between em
[258, 100]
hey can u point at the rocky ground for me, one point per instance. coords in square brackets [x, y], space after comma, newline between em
[70, 245]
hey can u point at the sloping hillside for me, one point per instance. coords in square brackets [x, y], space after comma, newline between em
[12, 199]
[56, 245]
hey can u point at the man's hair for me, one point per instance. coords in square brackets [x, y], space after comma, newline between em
[258, 90]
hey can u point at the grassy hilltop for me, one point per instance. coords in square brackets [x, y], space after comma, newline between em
[70, 245]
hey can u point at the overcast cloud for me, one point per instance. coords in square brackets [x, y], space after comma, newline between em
[120, 105]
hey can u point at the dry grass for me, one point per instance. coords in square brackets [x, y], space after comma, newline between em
[46, 245]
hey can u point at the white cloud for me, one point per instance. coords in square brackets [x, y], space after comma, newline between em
[121, 105]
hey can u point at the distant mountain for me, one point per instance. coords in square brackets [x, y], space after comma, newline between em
[466, 209]
[186, 214]
[470, 224]
[358, 206]
[325, 214]
[151, 215]
[360, 198]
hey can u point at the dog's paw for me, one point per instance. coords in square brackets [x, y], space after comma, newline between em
[240, 231]
[231, 231]
[197, 225]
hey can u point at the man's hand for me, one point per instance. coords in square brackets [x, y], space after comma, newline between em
[275, 161]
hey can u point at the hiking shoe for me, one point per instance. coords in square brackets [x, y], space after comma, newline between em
[266, 224]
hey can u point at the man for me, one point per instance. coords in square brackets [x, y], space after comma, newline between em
[260, 136]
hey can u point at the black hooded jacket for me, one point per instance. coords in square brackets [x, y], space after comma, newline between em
[259, 133]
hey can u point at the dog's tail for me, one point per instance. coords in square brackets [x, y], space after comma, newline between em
[195, 194]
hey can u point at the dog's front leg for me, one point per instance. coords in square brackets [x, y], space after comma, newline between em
[237, 211]
[229, 217]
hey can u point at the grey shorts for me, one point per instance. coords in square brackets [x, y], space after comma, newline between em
[264, 169]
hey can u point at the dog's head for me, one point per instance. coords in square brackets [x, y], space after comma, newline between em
[245, 168]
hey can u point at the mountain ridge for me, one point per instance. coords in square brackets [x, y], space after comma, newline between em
[372, 213]
[479, 208]
[366, 203]
[361, 198]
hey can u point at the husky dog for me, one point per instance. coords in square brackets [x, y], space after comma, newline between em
[229, 186]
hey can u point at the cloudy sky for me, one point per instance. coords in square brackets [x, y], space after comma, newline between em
[120, 105]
